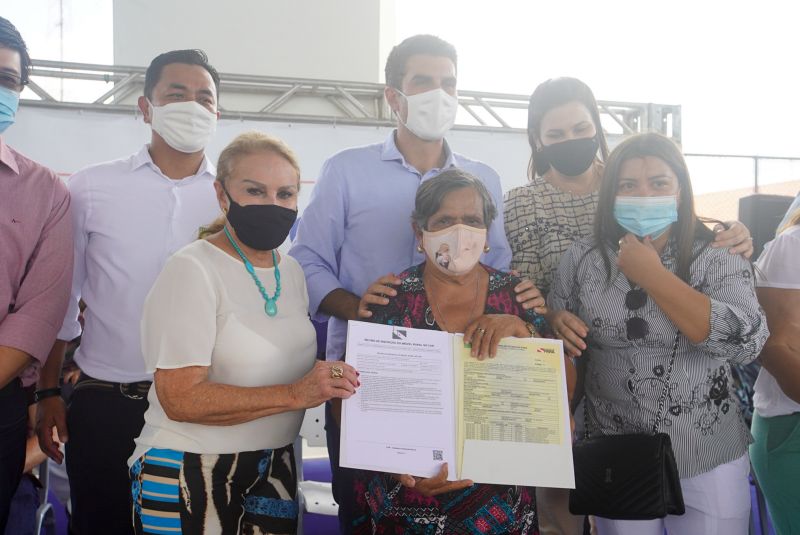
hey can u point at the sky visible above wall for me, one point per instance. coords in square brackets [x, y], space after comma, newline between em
[731, 65]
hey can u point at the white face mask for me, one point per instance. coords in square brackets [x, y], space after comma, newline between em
[455, 250]
[184, 126]
[430, 114]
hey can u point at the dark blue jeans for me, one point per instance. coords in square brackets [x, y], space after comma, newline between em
[342, 478]
[13, 433]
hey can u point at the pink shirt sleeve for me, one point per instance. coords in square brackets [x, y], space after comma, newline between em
[41, 299]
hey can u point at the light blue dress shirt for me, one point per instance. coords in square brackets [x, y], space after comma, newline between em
[357, 226]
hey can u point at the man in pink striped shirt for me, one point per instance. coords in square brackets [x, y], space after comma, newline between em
[35, 268]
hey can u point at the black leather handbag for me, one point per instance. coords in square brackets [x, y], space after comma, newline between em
[628, 477]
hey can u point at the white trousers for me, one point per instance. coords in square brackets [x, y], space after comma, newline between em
[717, 503]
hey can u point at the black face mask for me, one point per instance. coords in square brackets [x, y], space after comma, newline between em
[260, 226]
[570, 158]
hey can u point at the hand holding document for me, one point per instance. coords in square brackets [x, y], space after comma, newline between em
[424, 401]
[513, 414]
[403, 419]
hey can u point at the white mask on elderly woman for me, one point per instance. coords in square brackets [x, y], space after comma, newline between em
[455, 250]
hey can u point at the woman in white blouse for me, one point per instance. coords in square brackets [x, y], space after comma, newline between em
[775, 454]
[226, 332]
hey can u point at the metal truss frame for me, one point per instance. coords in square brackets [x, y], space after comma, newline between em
[333, 101]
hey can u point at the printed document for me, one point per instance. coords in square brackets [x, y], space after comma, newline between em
[424, 400]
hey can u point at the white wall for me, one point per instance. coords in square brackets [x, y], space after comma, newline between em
[340, 40]
[67, 140]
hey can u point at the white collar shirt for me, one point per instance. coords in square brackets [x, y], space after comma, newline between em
[129, 218]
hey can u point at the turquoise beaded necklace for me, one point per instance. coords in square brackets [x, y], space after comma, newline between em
[271, 305]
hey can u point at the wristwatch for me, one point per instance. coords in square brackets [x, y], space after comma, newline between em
[39, 395]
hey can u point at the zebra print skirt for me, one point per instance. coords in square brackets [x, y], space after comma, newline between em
[248, 493]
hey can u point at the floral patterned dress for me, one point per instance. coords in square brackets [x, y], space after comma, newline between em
[383, 505]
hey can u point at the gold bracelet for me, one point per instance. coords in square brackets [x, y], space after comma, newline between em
[531, 329]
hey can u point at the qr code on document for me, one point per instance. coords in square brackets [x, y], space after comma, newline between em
[437, 455]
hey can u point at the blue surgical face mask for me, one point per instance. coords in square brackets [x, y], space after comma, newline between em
[646, 216]
[9, 102]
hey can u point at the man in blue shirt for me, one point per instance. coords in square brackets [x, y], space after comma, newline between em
[357, 226]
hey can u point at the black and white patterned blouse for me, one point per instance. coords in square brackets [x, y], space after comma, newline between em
[625, 378]
[541, 221]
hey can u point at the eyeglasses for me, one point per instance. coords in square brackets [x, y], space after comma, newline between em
[636, 327]
[11, 81]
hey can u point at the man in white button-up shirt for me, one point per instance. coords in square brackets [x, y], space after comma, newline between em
[130, 215]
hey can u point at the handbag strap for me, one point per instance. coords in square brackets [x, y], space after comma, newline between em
[662, 400]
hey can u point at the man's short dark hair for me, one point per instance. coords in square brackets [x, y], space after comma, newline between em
[189, 57]
[428, 45]
[11, 39]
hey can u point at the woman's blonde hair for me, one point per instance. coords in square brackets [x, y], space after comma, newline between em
[794, 219]
[245, 144]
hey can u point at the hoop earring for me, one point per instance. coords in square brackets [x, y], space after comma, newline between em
[419, 248]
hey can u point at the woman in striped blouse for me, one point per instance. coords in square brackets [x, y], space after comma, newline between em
[647, 277]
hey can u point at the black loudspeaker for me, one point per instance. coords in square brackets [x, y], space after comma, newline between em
[762, 214]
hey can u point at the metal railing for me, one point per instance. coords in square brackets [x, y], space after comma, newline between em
[110, 88]
[756, 162]
[720, 181]
[114, 88]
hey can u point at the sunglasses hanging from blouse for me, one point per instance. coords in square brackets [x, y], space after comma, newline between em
[636, 327]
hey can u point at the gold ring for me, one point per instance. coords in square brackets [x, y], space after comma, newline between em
[481, 330]
[337, 372]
